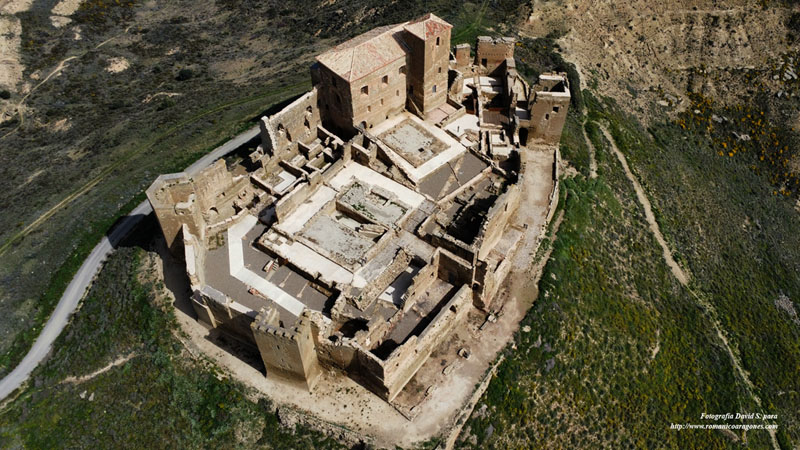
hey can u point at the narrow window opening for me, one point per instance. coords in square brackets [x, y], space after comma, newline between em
[385, 79]
[365, 90]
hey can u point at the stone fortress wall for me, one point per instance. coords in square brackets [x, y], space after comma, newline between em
[492, 53]
[386, 286]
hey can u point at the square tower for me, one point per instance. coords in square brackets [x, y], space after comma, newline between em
[493, 52]
[428, 39]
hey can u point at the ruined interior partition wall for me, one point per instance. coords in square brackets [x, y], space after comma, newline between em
[395, 268]
[497, 220]
[455, 93]
[298, 122]
[454, 246]
[299, 195]
[421, 282]
[453, 269]
[304, 190]
[406, 360]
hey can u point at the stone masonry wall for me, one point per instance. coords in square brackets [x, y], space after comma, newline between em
[385, 94]
[453, 269]
[421, 281]
[298, 122]
[549, 110]
[492, 52]
[235, 322]
[335, 99]
[463, 54]
[404, 361]
[429, 63]
[287, 353]
[497, 219]
[174, 203]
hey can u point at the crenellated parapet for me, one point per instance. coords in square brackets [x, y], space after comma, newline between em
[288, 352]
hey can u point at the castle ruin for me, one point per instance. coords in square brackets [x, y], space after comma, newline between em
[375, 214]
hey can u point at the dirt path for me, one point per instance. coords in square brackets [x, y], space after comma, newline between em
[684, 280]
[117, 362]
[648, 211]
[52, 73]
[735, 360]
[592, 157]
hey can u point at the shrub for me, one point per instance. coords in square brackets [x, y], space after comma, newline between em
[184, 75]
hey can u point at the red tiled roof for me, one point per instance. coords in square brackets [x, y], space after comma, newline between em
[427, 26]
[368, 52]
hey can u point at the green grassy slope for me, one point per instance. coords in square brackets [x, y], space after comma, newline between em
[740, 242]
[160, 397]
